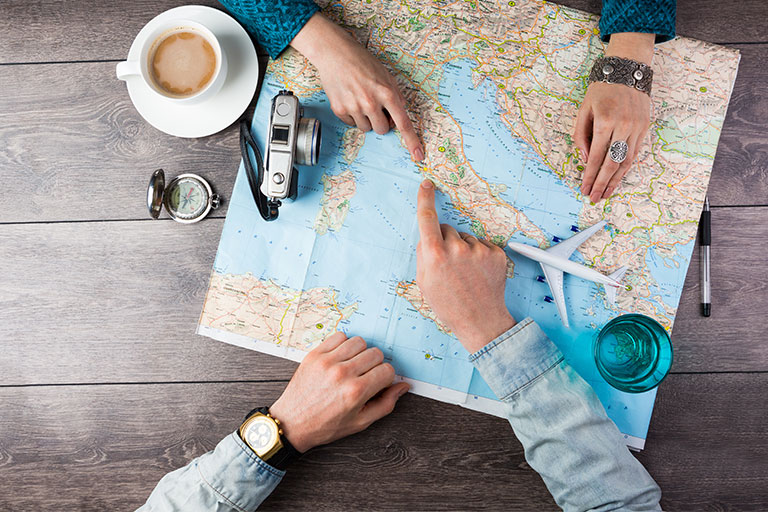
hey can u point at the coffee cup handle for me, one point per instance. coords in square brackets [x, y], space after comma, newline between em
[127, 68]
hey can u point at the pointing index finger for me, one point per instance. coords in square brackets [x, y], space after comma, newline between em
[404, 124]
[429, 227]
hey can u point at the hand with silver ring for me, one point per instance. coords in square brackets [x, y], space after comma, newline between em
[612, 122]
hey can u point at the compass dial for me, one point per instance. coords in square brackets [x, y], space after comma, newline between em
[187, 198]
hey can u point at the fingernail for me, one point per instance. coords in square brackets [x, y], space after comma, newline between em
[402, 392]
[419, 154]
[427, 184]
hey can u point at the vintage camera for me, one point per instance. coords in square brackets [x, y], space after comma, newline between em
[292, 138]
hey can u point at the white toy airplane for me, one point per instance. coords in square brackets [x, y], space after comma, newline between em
[555, 260]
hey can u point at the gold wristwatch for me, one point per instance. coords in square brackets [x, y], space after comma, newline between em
[263, 434]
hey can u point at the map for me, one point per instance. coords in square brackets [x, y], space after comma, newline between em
[493, 89]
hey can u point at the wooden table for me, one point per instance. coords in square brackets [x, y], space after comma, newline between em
[104, 387]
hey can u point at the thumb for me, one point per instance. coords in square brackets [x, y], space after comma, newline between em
[384, 403]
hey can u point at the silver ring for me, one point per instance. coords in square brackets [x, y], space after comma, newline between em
[618, 151]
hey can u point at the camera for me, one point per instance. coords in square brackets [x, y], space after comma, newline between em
[291, 139]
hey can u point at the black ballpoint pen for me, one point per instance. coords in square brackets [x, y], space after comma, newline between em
[705, 239]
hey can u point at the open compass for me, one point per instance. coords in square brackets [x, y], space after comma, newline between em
[188, 198]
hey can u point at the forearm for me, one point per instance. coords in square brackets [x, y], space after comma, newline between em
[274, 23]
[229, 478]
[568, 439]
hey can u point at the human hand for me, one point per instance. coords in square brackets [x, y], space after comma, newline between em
[462, 278]
[339, 389]
[612, 112]
[361, 90]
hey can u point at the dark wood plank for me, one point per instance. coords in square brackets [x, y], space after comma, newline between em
[77, 149]
[707, 442]
[119, 302]
[105, 447]
[739, 299]
[49, 30]
[740, 171]
[113, 302]
[64, 135]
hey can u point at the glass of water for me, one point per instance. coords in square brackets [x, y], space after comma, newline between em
[633, 353]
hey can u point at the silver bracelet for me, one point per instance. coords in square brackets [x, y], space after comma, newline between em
[616, 70]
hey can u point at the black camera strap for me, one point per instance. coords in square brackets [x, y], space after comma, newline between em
[268, 208]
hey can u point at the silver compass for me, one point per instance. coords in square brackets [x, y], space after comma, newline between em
[187, 198]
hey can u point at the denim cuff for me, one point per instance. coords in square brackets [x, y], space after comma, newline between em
[237, 475]
[516, 358]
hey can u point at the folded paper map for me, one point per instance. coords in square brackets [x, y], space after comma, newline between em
[493, 88]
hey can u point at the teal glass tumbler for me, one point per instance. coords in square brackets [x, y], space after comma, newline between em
[633, 353]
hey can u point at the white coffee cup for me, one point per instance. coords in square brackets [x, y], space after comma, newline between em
[148, 45]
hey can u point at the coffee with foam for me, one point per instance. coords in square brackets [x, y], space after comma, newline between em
[182, 63]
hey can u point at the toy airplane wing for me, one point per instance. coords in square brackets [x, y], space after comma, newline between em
[554, 279]
[565, 248]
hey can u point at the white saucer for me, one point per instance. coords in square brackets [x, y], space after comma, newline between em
[214, 114]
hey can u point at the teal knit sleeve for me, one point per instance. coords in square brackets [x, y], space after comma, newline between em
[274, 23]
[649, 16]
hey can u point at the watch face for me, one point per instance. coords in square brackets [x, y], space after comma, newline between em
[261, 434]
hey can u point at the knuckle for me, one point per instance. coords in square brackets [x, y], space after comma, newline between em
[340, 110]
[367, 104]
[358, 343]
[433, 247]
[601, 181]
[388, 94]
[602, 130]
[378, 355]
[352, 391]
[438, 257]
[336, 372]
[389, 371]
[427, 215]
[461, 248]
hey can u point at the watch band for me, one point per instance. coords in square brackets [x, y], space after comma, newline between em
[283, 457]
[617, 70]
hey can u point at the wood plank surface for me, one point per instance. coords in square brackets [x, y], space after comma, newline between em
[105, 387]
[51, 30]
[119, 302]
[63, 136]
[113, 302]
[105, 447]
[79, 150]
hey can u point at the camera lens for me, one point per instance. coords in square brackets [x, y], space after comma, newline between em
[308, 141]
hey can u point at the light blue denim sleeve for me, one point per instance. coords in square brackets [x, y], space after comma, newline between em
[568, 439]
[229, 478]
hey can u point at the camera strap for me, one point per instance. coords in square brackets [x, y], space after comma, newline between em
[268, 208]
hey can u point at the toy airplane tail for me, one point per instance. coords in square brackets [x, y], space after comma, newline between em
[610, 291]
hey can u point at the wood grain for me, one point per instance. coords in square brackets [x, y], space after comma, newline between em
[739, 299]
[113, 302]
[77, 149]
[105, 447]
[119, 302]
[64, 136]
[113, 299]
[49, 30]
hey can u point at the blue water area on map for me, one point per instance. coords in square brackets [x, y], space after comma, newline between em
[374, 250]
[669, 274]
